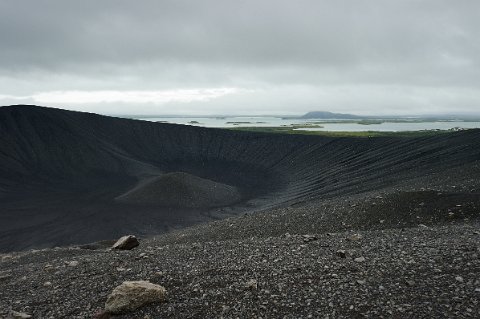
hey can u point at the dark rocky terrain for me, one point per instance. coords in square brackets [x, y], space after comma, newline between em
[290, 262]
[63, 174]
[325, 227]
[182, 190]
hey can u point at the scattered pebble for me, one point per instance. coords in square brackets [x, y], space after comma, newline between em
[355, 237]
[341, 253]
[18, 315]
[359, 259]
[251, 284]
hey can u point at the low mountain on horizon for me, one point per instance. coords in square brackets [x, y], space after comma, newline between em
[329, 115]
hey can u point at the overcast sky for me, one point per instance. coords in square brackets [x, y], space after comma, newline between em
[242, 56]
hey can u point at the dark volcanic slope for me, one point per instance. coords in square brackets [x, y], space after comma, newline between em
[61, 171]
[181, 190]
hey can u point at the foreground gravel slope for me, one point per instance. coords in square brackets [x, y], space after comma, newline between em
[416, 272]
[409, 251]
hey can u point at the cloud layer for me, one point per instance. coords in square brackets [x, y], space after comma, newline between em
[120, 56]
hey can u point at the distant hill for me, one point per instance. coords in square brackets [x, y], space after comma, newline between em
[329, 115]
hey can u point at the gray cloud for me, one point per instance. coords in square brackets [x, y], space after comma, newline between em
[377, 56]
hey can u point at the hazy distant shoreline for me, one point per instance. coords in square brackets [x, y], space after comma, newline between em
[319, 124]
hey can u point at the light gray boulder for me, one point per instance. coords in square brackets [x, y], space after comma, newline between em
[126, 243]
[131, 295]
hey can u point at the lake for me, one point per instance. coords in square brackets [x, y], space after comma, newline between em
[326, 125]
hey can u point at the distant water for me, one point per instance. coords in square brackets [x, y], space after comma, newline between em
[237, 121]
[257, 121]
[395, 127]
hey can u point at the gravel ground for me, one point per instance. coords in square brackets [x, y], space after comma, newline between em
[417, 271]
[409, 251]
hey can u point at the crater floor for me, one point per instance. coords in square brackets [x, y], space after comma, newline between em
[181, 190]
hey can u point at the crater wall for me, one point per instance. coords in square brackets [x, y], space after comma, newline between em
[61, 171]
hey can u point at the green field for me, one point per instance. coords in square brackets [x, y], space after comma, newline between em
[367, 134]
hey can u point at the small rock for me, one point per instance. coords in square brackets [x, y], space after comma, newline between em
[6, 257]
[410, 282]
[131, 295]
[18, 315]
[47, 284]
[72, 263]
[307, 238]
[341, 253]
[225, 308]
[142, 255]
[354, 237]
[361, 282]
[359, 259]
[251, 284]
[126, 243]
[5, 276]
[459, 279]
[101, 315]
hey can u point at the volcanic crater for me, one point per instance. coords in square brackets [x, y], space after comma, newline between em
[71, 177]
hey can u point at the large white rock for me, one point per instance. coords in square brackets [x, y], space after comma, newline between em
[131, 295]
